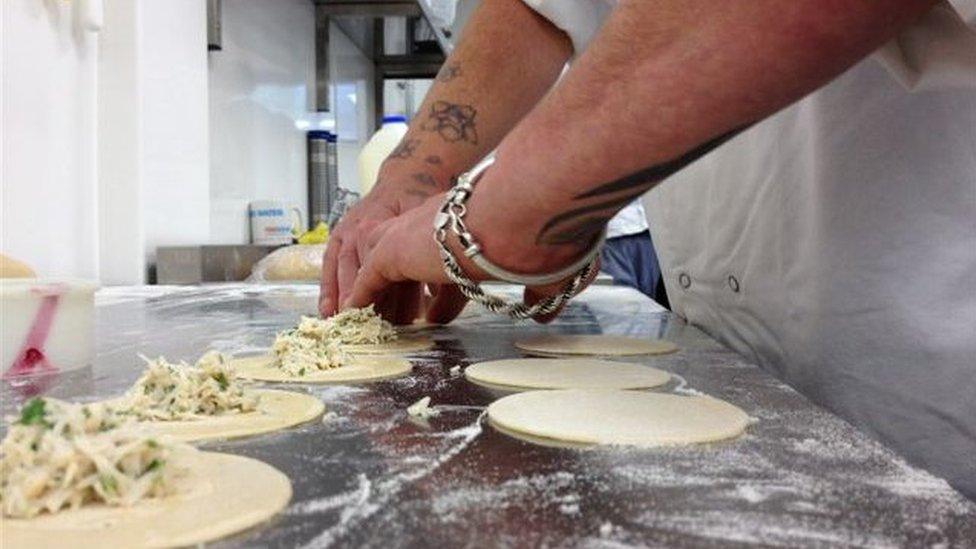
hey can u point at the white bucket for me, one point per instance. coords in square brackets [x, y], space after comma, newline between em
[46, 326]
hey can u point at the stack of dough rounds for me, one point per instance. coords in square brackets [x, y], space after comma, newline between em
[521, 374]
[554, 345]
[611, 417]
[220, 495]
[361, 368]
[276, 410]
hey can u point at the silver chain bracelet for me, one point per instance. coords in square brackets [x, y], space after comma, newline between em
[451, 216]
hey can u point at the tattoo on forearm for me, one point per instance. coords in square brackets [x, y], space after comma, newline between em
[582, 232]
[653, 174]
[449, 72]
[580, 226]
[433, 159]
[453, 122]
[405, 149]
[564, 222]
[425, 179]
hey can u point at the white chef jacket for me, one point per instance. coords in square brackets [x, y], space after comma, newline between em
[629, 221]
[835, 242]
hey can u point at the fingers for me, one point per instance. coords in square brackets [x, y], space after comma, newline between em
[409, 296]
[370, 287]
[329, 285]
[447, 304]
[347, 270]
[385, 306]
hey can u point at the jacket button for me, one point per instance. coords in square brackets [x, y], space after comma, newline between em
[684, 280]
[733, 283]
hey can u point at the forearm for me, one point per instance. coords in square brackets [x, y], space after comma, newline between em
[659, 86]
[507, 59]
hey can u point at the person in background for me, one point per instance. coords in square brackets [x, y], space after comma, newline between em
[628, 254]
[818, 214]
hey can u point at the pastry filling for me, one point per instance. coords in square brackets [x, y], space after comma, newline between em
[303, 350]
[61, 455]
[316, 344]
[357, 327]
[171, 392]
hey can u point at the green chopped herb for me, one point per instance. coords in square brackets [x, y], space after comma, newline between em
[109, 484]
[152, 443]
[147, 389]
[302, 371]
[85, 411]
[153, 465]
[33, 413]
[221, 380]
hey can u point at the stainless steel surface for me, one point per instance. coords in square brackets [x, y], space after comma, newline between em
[370, 8]
[323, 177]
[196, 264]
[370, 476]
[363, 23]
[358, 19]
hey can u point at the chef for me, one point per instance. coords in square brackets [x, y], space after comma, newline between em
[812, 178]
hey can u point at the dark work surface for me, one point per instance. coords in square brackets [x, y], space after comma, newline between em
[371, 476]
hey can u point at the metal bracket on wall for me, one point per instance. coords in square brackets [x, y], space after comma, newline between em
[214, 38]
[323, 100]
[411, 65]
[363, 20]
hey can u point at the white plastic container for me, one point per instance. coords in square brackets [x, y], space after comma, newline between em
[378, 148]
[46, 326]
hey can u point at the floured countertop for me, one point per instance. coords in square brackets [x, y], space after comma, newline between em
[370, 475]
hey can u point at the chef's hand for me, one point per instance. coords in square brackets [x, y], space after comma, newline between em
[402, 249]
[346, 242]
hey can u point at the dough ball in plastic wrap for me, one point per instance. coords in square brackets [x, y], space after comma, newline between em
[301, 262]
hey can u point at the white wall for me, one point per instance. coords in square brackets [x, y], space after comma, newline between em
[48, 133]
[122, 249]
[174, 122]
[260, 86]
[153, 133]
[95, 128]
[108, 140]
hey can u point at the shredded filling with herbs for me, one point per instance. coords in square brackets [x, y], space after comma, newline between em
[58, 454]
[171, 392]
[356, 327]
[303, 349]
[316, 344]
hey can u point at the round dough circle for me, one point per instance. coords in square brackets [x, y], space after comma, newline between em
[222, 494]
[618, 417]
[401, 346]
[594, 345]
[361, 368]
[564, 373]
[276, 410]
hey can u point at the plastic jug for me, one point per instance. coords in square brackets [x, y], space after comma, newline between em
[378, 148]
